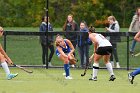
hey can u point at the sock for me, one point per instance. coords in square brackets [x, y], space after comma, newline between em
[66, 67]
[94, 74]
[136, 72]
[112, 63]
[5, 67]
[109, 68]
[95, 70]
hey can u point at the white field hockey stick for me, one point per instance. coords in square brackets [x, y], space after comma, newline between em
[24, 69]
[137, 54]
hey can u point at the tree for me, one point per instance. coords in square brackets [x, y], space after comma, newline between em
[94, 12]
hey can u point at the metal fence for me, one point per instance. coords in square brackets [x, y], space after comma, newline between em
[126, 37]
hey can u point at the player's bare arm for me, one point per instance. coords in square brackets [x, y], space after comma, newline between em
[71, 46]
[137, 37]
[93, 39]
[5, 55]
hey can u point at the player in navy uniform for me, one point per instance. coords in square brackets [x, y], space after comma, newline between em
[132, 75]
[64, 50]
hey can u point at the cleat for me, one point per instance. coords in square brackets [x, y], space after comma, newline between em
[112, 78]
[131, 78]
[94, 79]
[132, 53]
[68, 77]
[117, 65]
[73, 66]
[10, 76]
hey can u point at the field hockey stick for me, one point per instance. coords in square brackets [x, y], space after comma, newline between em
[86, 68]
[137, 54]
[24, 69]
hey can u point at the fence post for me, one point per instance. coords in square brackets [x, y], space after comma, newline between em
[127, 34]
[47, 10]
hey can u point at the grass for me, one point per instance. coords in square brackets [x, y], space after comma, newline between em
[27, 50]
[52, 81]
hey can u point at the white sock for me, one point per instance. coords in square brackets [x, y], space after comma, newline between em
[94, 74]
[109, 68]
[112, 63]
[5, 67]
[95, 71]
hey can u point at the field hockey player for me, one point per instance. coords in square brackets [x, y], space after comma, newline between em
[4, 59]
[102, 48]
[64, 50]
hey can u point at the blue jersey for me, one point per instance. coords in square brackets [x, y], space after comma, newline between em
[65, 50]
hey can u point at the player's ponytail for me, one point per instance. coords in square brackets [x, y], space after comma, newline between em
[91, 29]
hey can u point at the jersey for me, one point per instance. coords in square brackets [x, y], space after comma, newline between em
[102, 41]
[67, 49]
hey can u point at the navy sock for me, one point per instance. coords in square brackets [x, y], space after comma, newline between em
[66, 67]
[136, 72]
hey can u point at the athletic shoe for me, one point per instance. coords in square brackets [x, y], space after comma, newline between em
[94, 79]
[68, 77]
[49, 64]
[72, 66]
[131, 78]
[117, 65]
[10, 76]
[112, 78]
[132, 53]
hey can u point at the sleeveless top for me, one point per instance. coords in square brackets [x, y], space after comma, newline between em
[66, 49]
[102, 41]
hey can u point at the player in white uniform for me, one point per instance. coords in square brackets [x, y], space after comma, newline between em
[5, 60]
[102, 48]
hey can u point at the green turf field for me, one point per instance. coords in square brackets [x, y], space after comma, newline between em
[26, 50]
[52, 81]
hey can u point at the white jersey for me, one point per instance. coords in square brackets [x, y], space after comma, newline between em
[102, 41]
